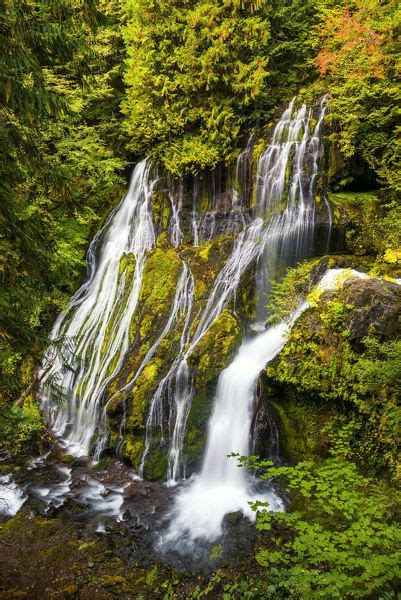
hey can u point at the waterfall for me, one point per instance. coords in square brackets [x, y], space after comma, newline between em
[223, 487]
[287, 170]
[96, 324]
[98, 317]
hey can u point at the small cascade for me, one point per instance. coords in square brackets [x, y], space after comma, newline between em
[243, 172]
[175, 385]
[287, 170]
[12, 496]
[194, 214]
[98, 317]
[182, 306]
[176, 234]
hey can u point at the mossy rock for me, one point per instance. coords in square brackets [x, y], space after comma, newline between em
[156, 465]
[159, 280]
[133, 448]
[215, 348]
[161, 209]
[344, 353]
[301, 425]
[142, 393]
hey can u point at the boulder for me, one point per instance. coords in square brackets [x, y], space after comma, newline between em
[376, 308]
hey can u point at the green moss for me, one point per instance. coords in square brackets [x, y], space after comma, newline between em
[156, 465]
[215, 349]
[126, 269]
[200, 289]
[161, 209]
[127, 264]
[133, 448]
[112, 581]
[159, 281]
[142, 393]
[320, 362]
[195, 431]
[303, 424]
[204, 253]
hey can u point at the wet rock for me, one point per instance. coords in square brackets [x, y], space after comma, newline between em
[234, 518]
[216, 223]
[67, 459]
[376, 308]
[223, 201]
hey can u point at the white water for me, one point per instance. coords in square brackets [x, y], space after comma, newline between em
[11, 496]
[176, 235]
[287, 170]
[222, 487]
[98, 318]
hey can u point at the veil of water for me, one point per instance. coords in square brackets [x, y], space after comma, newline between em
[287, 171]
[97, 321]
[222, 487]
[98, 318]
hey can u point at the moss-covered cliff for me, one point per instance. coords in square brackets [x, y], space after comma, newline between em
[342, 364]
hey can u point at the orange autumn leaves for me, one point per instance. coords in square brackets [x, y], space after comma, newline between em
[350, 46]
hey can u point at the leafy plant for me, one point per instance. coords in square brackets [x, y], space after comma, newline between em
[339, 539]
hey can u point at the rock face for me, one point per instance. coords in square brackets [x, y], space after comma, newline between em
[342, 362]
[216, 223]
[376, 308]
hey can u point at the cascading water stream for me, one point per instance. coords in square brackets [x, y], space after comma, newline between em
[177, 236]
[289, 234]
[284, 165]
[98, 318]
[288, 167]
[222, 487]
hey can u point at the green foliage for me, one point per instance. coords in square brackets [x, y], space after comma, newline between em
[60, 163]
[339, 540]
[200, 73]
[193, 73]
[358, 60]
[380, 366]
[374, 228]
[287, 293]
[23, 432]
